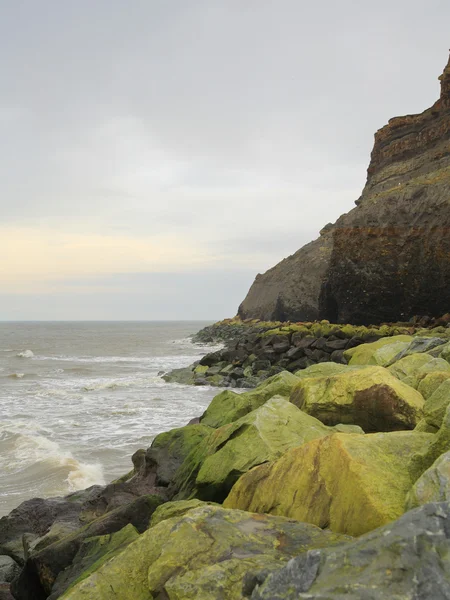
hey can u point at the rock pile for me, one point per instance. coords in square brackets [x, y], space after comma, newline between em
[257, 350]
[330, 482]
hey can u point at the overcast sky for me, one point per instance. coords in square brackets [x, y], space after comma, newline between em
[155, 155]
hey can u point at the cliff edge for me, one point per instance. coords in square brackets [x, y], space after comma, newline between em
[388, 259]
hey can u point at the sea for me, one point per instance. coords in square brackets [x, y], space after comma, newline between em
[77, 399]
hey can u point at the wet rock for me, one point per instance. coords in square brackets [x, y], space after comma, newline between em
[371, 398]
[407, 559]
[205, 553]
[348, 482]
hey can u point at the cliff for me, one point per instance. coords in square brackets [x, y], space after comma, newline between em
[389, 258]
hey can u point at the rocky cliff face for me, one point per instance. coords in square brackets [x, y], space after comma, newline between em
[389, 258]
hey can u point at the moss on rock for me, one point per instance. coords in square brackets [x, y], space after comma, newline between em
[201, 555]
[371, 398]
[229, 406]
[350, 483]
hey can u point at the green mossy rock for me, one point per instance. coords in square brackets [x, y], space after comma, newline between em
[423, 427]
[229, 406]
[413, 368]
[261, 436]
[430, 383]
[176, 509]
[43, 567]
[437, 404]
[433, 485]
[445, 352]
[349, 483]
[93, 552]
[371, 398]
[380, 353]
[184, 376]
[170, 449]
[202, 555]
[422, 461]
[324, 369]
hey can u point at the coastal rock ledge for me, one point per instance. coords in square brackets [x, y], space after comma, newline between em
[387, 259]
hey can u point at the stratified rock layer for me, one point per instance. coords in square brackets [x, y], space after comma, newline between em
[389, 258]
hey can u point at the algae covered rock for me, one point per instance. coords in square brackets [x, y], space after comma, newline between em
[430, 383]
[206, 553]
[371, 398]
[380, 353]
[321, 370]
[229, 406]
[349, 483]
[437, 404]
[433, 485]
[169, 450]
[42, 568]
[413, 368]
[261, 436]
[93, 552]
[405, 560]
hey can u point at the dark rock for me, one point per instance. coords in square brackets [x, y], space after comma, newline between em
[408, 559]
[36, 516]
[237, 373]
[261, 365]
[9, 569]
[331, 346]
[294, 353]
[281, 347]
[41, 569]
[5, 593]
[301, 363]
[320, 344]
[301, 341]
[338, 357]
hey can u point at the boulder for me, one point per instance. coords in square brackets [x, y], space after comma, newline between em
[380, 353]
[371, 398]
[169, 450]
[349, 483]
[93, 552]
[9, 569]
[35, 518]
[414, 367]
[206, 553]
[431, 381]
[424, 459]
[433, 485]
[229, 406]
[321, 370]
[43, 567]
[260, 436]
[405, 560]
[437, 403]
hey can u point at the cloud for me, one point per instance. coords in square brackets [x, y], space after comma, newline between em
[171, 136]
[40, 257]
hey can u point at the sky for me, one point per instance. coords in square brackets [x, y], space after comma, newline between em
[155, 155]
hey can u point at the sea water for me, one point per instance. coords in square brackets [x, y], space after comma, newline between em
[78, 399]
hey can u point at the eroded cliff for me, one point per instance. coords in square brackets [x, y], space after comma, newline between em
[389, 258]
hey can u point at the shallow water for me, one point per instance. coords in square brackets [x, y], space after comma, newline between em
[77, 399]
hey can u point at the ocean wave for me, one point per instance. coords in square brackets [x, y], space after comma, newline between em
[31, 460]
[112, 384]
[25, 354]
[15, 375]
[98, 359]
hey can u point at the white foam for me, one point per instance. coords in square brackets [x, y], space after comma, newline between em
[26, 354]
[83, 475]
[16, 375]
